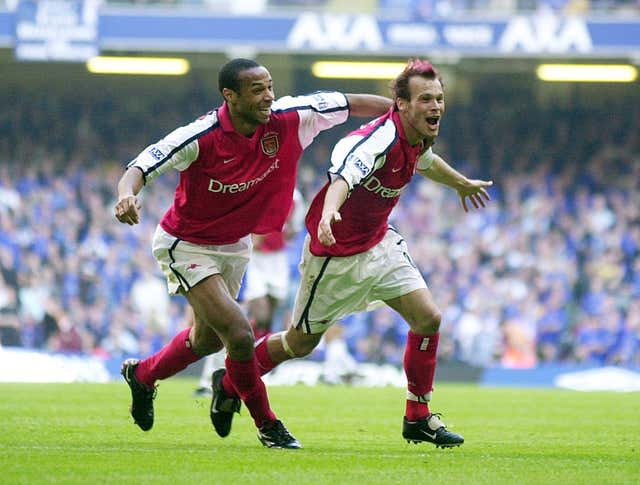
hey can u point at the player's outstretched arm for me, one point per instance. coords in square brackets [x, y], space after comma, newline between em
[333, 200]
[474, 190]
[127, 209]
[368, 105]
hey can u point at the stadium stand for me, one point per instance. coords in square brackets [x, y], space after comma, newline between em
[418, 9]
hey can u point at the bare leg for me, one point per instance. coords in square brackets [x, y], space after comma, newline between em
[215, 307]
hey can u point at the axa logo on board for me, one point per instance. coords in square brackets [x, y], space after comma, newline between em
[545, 33]
[334, 31]
[539, 33]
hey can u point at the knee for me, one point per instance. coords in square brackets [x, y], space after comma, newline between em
[240, 342]
[427, 323]
[203, 344]
[206, 348]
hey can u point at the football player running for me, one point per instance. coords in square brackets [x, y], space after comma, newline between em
[238, 167]
[353, 259]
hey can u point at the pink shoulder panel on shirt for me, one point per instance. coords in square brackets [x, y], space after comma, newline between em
[366, 212]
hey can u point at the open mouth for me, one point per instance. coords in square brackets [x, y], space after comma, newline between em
[433, 121]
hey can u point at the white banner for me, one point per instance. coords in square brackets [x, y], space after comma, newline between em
[21, 365]
[57, 30]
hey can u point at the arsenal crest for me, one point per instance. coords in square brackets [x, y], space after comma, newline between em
[270, 144]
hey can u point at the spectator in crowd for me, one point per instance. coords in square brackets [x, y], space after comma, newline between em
[9, 319]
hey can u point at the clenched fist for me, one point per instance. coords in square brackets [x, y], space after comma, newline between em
[127, 210]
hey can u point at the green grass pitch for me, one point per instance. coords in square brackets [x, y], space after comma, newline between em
[82, 433]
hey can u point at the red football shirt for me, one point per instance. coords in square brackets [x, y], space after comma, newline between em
[377, 162]
[232, 185]
[276, 241]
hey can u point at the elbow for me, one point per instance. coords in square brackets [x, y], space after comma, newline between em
[363, 106]
[141, 174]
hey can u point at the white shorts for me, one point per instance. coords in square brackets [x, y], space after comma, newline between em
[267, 274]
[333, 287]
[185, 264]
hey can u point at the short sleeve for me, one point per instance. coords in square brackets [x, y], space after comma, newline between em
[425, 160]
[317, 112]
[178, 150]
[355, 157]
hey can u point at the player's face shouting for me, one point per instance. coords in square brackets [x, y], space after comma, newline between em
[256, 96]
[422, 114]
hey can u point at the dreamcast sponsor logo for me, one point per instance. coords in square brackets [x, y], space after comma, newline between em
[373, 184]
[219, 187]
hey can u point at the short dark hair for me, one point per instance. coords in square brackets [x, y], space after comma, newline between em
[414, 67]
[230, 73]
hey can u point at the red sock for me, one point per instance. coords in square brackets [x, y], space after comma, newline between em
[420, 368]
[168, 361]
[265, 365]
[245, 378]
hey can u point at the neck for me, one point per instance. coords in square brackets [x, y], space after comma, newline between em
[414, 137]
[240, 125]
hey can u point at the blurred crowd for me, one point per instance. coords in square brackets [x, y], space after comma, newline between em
[443, 9]
[548, 272]
[394, 9]
[418, 9]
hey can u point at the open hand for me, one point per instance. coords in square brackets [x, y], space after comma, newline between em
[477, 193]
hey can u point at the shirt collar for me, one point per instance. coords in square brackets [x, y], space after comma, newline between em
[225, 119]
[227, 126]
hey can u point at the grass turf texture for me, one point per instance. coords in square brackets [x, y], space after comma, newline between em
[82, 433]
